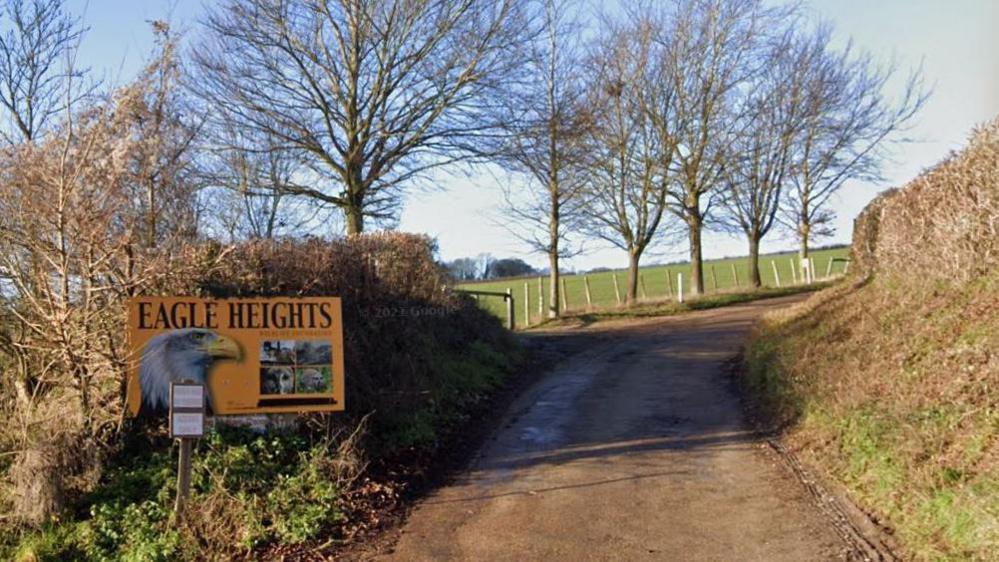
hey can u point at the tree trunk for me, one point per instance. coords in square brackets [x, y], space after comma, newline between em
[553, 240]
[805, 232]
[632, 287]
[354, 209]
[355, 219]
[694, 224]
[553, 290]
[754, 262]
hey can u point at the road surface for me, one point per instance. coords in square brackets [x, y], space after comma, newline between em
[635, 448]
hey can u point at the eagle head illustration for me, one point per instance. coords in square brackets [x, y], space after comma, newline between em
[179, 355]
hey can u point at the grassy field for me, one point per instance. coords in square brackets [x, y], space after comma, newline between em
[719, 275]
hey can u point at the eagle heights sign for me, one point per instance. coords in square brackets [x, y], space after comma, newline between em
[252, 356]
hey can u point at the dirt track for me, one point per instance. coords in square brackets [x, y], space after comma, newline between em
[634, 449]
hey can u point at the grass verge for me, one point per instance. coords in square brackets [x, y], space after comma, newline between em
[890, 389]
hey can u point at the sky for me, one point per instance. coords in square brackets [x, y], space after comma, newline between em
[954, 42]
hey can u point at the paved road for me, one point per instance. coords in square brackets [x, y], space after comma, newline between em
[633, 449]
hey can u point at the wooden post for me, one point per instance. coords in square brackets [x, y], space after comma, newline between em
[735, 275]
[669, 282]
[510, 320]
[714, 279]
[565, 296]
[586, 286]
[679, 287]
[846, 267]
[641, 284]
[187, 423]
[617, 290]
[776, 273]
[794, 274]
[811, 270]
[183, 476]
[541, 299]
[527, 305]
[829, 267]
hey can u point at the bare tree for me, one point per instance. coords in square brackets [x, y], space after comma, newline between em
[629, 162]
[36, 47]
[373, 93]
[247, 183]
[544, 140]
[772, 113]
[707, 46]
[70, 256]
[164, 187]
[850, 127]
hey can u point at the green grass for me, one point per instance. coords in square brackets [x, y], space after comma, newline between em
[670, 307]
[889, 387]
[719, 275]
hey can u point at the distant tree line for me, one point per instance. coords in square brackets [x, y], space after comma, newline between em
[486, 267]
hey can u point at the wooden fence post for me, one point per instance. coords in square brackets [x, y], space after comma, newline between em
[511, 322]
[829, 267]
[586, 285]
[641, 283]
[669, 282]
[679, 287]
[776, 273]
[735, 275]
[183, 476]
[565, 297]
[714, 279]
[811, 270]
[794, 274]
[617, 290]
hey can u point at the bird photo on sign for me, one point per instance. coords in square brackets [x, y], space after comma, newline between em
[179, 355]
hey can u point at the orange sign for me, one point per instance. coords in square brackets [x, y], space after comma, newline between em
[265, 355]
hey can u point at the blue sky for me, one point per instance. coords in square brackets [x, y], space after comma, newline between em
[955, 41]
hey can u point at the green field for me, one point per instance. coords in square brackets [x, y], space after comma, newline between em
[719, 275]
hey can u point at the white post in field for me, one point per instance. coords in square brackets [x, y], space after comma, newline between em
[679, 287]
[776, 273]
[541, 299]
[527, 305]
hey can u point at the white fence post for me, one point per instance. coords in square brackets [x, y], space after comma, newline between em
[527, 305]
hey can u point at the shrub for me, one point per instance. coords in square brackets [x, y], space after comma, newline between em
[418, 356]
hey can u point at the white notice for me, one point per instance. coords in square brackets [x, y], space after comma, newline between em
[186, 424]
[188, 396]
